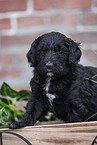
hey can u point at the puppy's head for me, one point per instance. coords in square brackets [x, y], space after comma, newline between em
[53, 54]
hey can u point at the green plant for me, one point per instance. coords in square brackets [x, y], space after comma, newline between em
[92, 79]
[9, 100]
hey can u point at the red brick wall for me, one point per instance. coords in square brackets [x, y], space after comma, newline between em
[21, 21]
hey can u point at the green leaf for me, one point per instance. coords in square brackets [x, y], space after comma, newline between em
[24, 94]
[9, 100]
[6, 90]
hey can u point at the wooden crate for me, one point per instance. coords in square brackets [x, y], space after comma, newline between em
[54, 134]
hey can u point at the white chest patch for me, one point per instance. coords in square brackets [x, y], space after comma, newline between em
[50, 96]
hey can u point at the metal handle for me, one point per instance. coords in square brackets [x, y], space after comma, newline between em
[21, 137]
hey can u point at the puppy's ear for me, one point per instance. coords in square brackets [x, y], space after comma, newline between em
[74, 52]
[31, 54]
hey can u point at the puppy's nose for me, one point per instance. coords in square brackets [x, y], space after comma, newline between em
[49, 65]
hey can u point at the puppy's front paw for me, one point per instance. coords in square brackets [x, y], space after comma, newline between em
[14, 125]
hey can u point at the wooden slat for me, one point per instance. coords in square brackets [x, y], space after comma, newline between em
[55, 134]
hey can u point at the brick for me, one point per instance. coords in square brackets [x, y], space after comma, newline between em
[68, 4]
[23, 87]
[64, 19]
[95, 3]
[91, 55]
[5, 60]
[5, 24]
[12, 73]
[89, 37]
[22, 57]
[30, 21]
[12, 5]
[89, 19]
[17, 40]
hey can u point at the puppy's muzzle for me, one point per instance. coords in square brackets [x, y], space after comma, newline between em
[49, 66]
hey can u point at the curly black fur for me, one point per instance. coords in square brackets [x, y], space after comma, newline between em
[60, 84]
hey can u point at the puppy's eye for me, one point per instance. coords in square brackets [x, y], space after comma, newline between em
[44, 50]
[38, 51]
[62, 51]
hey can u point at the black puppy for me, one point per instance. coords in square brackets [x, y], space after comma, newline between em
[60, 84]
